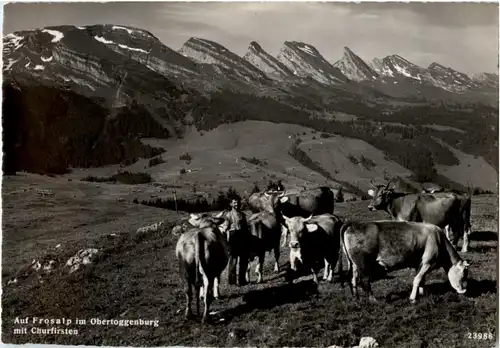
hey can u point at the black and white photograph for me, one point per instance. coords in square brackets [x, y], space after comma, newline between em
[250, 174]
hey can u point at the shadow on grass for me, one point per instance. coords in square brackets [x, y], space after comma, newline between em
[475, 288]
[483, 236]
[272, 297]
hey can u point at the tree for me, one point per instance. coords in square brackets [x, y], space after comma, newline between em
[339, 197]
[255, 189]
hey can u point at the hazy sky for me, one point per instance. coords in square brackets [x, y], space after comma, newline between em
[463, 36]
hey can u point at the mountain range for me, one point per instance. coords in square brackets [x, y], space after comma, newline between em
[125, 82]
[93, 59]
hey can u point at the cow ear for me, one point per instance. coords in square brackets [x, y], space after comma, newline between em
[466, 263]
[371, 192]
[283, 199]
[194, 216]
[311, 227]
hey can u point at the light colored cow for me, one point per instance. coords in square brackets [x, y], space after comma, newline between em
[202, 252]
[394, 245]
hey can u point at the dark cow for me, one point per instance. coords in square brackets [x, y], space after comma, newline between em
[395, 245]
[313, 239]
[447, 210]
[265, 233]
[315, 201]
[202, 252]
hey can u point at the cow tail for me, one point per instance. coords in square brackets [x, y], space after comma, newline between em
[343, 277]
[199, 258]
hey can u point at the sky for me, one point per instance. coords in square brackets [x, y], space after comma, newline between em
[463, 36]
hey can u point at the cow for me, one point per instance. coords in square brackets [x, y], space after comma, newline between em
[202, 252]
[315, 201]
[265, 235]
[312, 239]
[392, 245]
[447, 210]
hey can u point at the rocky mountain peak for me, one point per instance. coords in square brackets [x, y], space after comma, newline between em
[352, 66]
[304, 60]
[265, 62]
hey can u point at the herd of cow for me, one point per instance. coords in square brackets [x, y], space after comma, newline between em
[423, 234]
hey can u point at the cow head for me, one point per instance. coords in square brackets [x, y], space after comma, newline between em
[270, 201]
[203, 220]
[298, 228]
[457, 275]
[381, 196]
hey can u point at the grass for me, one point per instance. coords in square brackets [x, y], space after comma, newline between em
[136, 277]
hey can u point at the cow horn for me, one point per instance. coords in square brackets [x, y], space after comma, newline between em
[372, 183]
[266, 194]
[282, 194]
[309, 218]
[390, 182]
[218, 215]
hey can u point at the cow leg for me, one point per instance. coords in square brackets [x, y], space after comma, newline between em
[260, 267]
[247, 273]
[367, 288]
[315, 277]
[207, 286]
[330, 273]
[465, 245]
[284, 233]
[354, 282]
[417, 281]
[277, 259]
[231, 271]
[447, 232]
[189, 296]
[326, 270]
[242, 271]
[216, 288]
[199, 296]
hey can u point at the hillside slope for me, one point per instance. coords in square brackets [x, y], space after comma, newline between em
[216, 160]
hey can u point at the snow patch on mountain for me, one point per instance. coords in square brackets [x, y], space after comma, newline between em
[109, 42]
[46, 59]
[132, 48]
[404, 72]
[13, 40]
[56, 34]
[39, 67]
[116, 27]
[10, 63]
[103, 40]
[307, 49]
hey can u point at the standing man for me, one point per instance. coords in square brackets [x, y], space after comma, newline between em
[238, 236]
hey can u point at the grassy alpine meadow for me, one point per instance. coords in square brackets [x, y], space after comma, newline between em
[134, 276]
